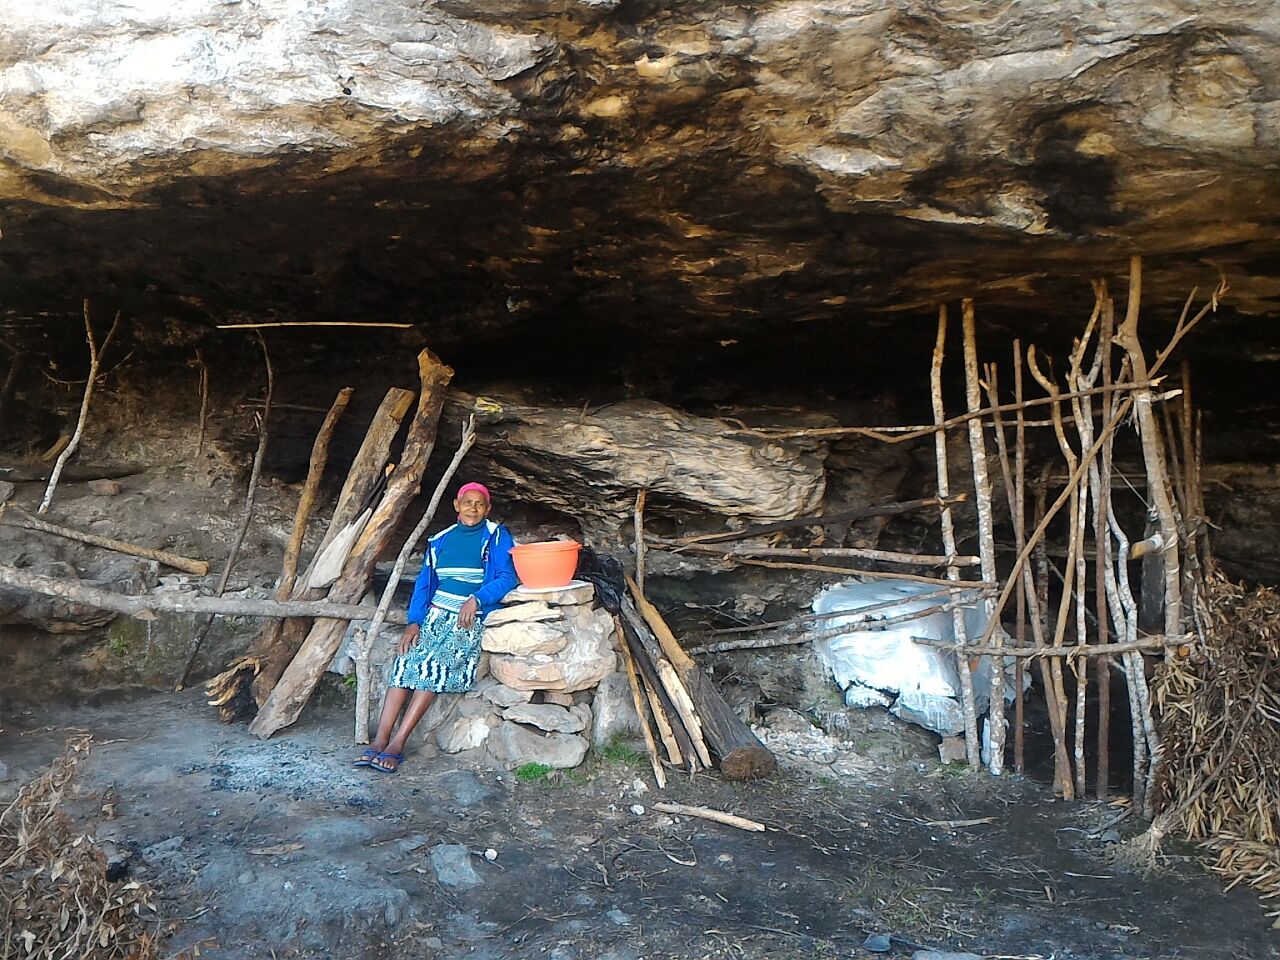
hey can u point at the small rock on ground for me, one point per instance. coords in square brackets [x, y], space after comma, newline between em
[452, 864]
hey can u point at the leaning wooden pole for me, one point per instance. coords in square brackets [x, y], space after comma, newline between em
[246, 513]
[1099, 481]
[986, 532]
[186, 564]
[290, 695]
[319, 458]
[972, 746]
[273, 651]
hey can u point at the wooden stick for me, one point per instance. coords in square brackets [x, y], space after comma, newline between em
[204, 401]
[810, 617]
[1120, 409]
[95, 364]
[306, 500]
[842, 571]
[1012, 498]
[364, 642]
[639, 535]
[846, 516]
[1068, 581]
[915, 432]
[273, 650]
[1149, 431]
[287, 699]
[706, 813]
[641, 704]
[1082, 410]
[23, 519]
[859, 625]
[967, 701]
[1065, 651]
[286, 588]
[674, 738]
[145, 607]
[1098, 481]
[246, 515]
[986, 531]
[884, 556]
[312, 323]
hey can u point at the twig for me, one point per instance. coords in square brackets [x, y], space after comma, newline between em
[858, 625]
[862, 553]
[841, 571]
[810, 617]
[706, 813]
[95, 362]
[312, 323]
[1064, 651]
[204, 401]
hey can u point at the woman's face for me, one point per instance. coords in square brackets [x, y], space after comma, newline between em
[472, 508]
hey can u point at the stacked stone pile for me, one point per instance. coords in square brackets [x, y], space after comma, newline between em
[549, 683]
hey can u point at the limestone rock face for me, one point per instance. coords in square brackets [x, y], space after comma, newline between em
[729, 168]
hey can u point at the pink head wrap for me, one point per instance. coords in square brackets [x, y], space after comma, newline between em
[479, 488]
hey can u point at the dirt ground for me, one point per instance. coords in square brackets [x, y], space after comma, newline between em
[280, 849]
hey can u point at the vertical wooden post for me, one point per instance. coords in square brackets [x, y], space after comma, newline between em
[1020, 537]
[639, 531]
[1098, 483]
[986, 531]
[1152, 455]
[969, 708]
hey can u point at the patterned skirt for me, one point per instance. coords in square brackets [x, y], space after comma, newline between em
[445, 658]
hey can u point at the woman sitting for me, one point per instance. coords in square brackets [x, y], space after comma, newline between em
[466, 572]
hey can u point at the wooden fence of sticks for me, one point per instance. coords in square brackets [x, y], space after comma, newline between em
[1108, 382]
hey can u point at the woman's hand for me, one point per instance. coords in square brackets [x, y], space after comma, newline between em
[408, 639]
[467, 615]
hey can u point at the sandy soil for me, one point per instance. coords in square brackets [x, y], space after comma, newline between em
[281, 849]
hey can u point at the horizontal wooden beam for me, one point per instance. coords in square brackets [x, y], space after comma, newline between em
[145, 607]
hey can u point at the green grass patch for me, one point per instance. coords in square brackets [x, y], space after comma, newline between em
[350, 682]
[617, 751]
[529, 772]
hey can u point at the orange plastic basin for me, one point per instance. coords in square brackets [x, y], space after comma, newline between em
[548, 564]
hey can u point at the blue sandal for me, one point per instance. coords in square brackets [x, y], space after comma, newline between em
[366, 759]
[396, 758]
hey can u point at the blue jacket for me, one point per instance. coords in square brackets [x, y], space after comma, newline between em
[495, 558]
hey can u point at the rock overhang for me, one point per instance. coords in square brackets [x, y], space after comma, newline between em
[679, 172]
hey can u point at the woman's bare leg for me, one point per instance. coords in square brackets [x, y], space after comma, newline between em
[422, 699]
[395, 700]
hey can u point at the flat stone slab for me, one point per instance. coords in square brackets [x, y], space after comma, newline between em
[577, 591]
[533, 611]
[500, 696]
[526, 639]
[547, 716]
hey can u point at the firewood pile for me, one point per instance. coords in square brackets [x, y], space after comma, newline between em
[1220, 713]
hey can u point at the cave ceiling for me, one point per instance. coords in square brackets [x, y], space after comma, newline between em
[679, 172]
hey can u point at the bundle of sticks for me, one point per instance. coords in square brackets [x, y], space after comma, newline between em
[686, 722]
